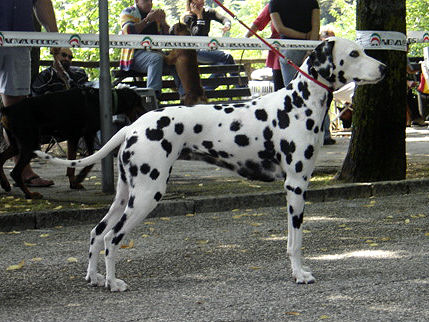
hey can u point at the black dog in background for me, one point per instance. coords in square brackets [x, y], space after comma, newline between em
[67, 115]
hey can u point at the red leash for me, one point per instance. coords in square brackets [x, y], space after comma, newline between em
[273, 48]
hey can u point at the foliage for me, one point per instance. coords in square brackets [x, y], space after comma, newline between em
[344, 12]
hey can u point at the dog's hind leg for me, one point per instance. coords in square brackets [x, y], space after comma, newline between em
[140, 204]
[295, 195]
[105, 225]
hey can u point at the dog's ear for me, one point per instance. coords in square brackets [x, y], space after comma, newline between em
[321, 60]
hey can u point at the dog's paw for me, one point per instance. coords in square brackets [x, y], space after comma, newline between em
[116, 285]
[76, 186]
[303, 277]
[95, 279]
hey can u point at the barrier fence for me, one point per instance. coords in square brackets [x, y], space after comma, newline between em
[384, 40]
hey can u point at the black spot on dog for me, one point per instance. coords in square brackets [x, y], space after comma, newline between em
[198, 128]
[163, 122]
[288, 148]
[298, 167]
[134, 170]
[122, 171]
[291, 210]
[268, 134]
[341, 62]
[154, 174]
[309, 124]
[126, 155]
[120, 224]
[341, 77]
[217, 107]
[224, 154]
[274, 122]
[298, 190]
[116, 240]
[158, 196]
[207, 144]
[240, 105]
[261, 115]
[303, 88]
[145, 168]
[90, 254]
[100, 228]
[308, 112]
[241, 140]
[297, 100]
[289, 86]
[283, 118]
[131, 201]
[166, 146]
[235, 126]
[106, 252]
[228, 110]
[316, 129]
[308, 153]
[154, 134]
[178, 128]
[297, 221]
[132, 140]
[288, 104]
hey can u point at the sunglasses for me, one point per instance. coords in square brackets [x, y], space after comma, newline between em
[64, 55]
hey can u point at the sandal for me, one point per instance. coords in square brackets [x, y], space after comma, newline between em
[36, 181]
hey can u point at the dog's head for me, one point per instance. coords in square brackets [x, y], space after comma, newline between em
[129, 103]
[341, 61]
[179, 29]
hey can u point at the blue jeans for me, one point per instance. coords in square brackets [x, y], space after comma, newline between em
[288, 71]
[214, 57]
[152, 63]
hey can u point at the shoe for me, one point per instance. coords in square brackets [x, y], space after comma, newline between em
[36, 181]
[329, 141]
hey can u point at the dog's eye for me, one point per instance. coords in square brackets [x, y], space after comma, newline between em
[354, 54]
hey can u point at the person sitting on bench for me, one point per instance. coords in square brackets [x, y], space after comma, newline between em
[60, 76]
[142, 19]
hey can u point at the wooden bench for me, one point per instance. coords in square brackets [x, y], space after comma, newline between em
[229, 88]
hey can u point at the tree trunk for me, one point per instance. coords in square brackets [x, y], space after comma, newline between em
[377, 146]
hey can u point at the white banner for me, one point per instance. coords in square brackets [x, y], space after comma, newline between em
[386, 40]
[418, 37]
[51, 39]
[383, 40]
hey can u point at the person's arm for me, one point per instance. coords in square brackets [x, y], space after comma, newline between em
[315, 25]
[260, 22]
[250, 34]
[276, 20]
[46, 15]
[223, 20]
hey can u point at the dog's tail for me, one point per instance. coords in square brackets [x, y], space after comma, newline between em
[116, 140]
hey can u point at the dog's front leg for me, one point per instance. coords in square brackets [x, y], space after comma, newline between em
[295, 208]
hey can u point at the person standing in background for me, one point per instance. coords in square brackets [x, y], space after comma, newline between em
[272, 59]
[295, 19]
[15, 65]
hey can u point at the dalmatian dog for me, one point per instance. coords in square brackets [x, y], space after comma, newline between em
[276, 136]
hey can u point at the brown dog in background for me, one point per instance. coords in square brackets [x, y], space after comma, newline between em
[185, 61]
